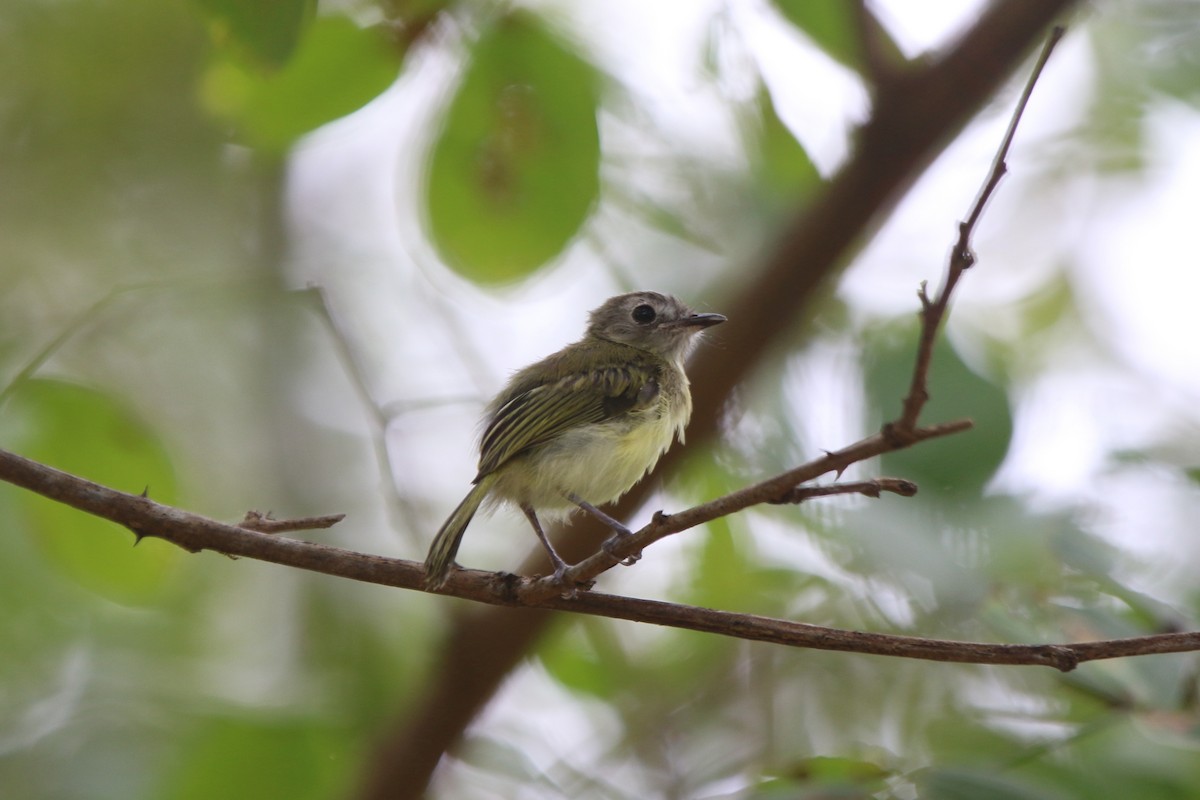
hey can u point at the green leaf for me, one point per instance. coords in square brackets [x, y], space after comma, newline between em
[958, 465]
[338, 68]
[782, 169]
[829, 23]
[962, 784]
[267, 29]
[515, 169]
[244, 757]
[582, 658]
[91, 434]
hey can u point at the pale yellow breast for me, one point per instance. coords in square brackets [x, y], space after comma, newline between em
[598, 462]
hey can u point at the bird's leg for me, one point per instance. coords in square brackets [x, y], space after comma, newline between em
[560, 566]
[620, 530]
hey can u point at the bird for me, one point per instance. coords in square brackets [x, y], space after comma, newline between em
[582, 426]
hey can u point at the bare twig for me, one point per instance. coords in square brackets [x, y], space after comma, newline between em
[395, 504]
[265, 523]
[873, 488]
[962, 257]
[195, 533]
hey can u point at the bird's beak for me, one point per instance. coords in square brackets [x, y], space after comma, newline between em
[702, 320]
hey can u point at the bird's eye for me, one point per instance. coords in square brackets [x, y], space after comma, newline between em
[644, 314]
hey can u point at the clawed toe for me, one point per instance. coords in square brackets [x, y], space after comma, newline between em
[610, 546]
[569, 589]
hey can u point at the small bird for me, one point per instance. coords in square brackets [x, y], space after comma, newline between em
[582, 426]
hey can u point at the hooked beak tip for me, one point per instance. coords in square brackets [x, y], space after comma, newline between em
[704, 320]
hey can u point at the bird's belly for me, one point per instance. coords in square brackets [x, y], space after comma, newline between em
[598, 462]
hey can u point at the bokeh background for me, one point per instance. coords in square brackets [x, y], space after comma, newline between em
[278, 255]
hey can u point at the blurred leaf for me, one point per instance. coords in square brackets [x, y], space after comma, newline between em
[96, 114]
[1049, 306]
[830, 24]
[962, 784]
[279, 757]
[825, 777]
[500, 758]
[1171, 57]
[723, 578]
[268, 29]
[338, 68]
[958, 465]
[782, 169]
[584, 658]
[91, 434]
[1126, 759]
[514, 172]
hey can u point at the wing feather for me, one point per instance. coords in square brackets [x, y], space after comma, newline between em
[545, 411]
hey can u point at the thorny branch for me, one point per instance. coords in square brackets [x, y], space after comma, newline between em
[195, 533]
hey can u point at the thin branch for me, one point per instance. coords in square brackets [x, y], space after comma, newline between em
[395, 504]
[962, 257]
[195, 533]
[265, 523]
[873, 488]
[771, 491]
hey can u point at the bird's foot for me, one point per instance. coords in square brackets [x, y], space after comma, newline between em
[611, 545]
[569, 588]
[620, 532]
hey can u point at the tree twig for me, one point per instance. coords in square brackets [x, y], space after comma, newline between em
[873, 488]
[195, 533]
[962, 257]
[771, 491]
[265, 523]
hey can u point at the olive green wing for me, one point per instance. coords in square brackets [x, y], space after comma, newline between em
[540, 413]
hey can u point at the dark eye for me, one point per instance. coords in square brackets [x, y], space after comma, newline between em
[643, 314]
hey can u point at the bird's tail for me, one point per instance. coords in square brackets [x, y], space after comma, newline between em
[445, 544]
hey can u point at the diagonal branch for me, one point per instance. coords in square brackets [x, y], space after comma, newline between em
[780, 489]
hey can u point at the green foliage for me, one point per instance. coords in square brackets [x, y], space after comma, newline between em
[515, 169]
[268, 30]
[337, 68]
[829, 23]
[832, 26]
[271, 757]
[968, 785]
[783, 170]
[955, 465]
